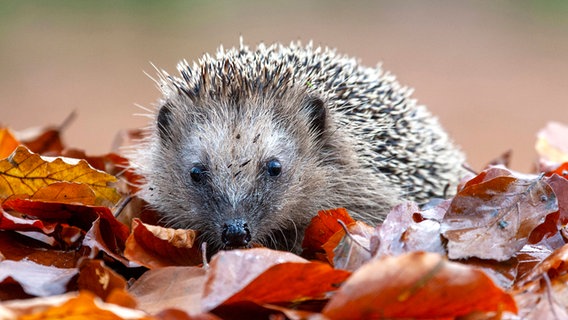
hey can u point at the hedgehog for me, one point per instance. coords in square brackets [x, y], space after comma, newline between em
[247, 145]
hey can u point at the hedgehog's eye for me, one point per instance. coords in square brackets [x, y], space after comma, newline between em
[273, 167]
[198, 172]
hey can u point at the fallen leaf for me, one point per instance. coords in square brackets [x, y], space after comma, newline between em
[8, 143]
[266, 276]
[85, 306]
[170, 287]
[493, 219]
[99, 279]
[37, 279]
[47, 142]
[64, 236]
[352, 250]
[542, 292]
[552, 143]
[156, 247]
[391, 230]
[24, 173]
[81, 216]
[321, 228]
[416, 285]
[16, 246]
[560, 186]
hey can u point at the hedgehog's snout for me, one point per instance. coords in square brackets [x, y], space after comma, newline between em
[236, 234]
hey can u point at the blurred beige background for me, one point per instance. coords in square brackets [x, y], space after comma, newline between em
[493, 71]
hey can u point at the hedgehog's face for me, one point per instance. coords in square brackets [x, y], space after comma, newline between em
[242, 174]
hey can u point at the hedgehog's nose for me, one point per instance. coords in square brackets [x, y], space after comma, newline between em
[236, 234]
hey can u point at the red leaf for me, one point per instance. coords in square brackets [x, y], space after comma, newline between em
[416, 285]
[77, 215]
[321, 228]
[266, 276]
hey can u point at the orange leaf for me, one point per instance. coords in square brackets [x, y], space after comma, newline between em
[66, 192]
[84, 307]
[416, 285]
[97, 278]
[24, 173]
[266, 276]
[155, 247]
[8, 143]
[321, 228]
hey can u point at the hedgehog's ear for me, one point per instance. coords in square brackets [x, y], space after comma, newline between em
[317, 113]
[164, 122]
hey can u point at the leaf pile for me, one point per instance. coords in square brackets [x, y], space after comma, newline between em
[495, 250]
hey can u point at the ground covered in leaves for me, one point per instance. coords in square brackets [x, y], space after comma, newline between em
[75, 243]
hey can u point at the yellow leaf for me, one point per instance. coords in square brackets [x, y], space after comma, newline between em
[25, 173]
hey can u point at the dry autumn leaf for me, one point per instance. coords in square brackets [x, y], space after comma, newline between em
[170, 287]
[266, 276]
[493, 219]
[349, 250]
[552, 143]
[37, 279]
[321, 228]
[155, 247]
[8, 143]
[24, 173]
[542, 293]
[416, 285]
[85, 306]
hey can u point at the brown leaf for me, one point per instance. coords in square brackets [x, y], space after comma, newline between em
[100, 239]
[156, 247]
[14, 246]
[46, 142]
[266, 276]
[170, 287]
[416, 285]
[321, 228]
[65, 236]
[560, 186]
[350, 251]
[407, 228]
[493, 219]
[97, 278]
[8, 143]
[24, 173]
[543, 289]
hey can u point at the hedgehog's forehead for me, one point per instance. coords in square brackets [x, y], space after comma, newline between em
[227, 137]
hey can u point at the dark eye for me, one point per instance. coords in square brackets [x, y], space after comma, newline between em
[273, 167]
[197, 173]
